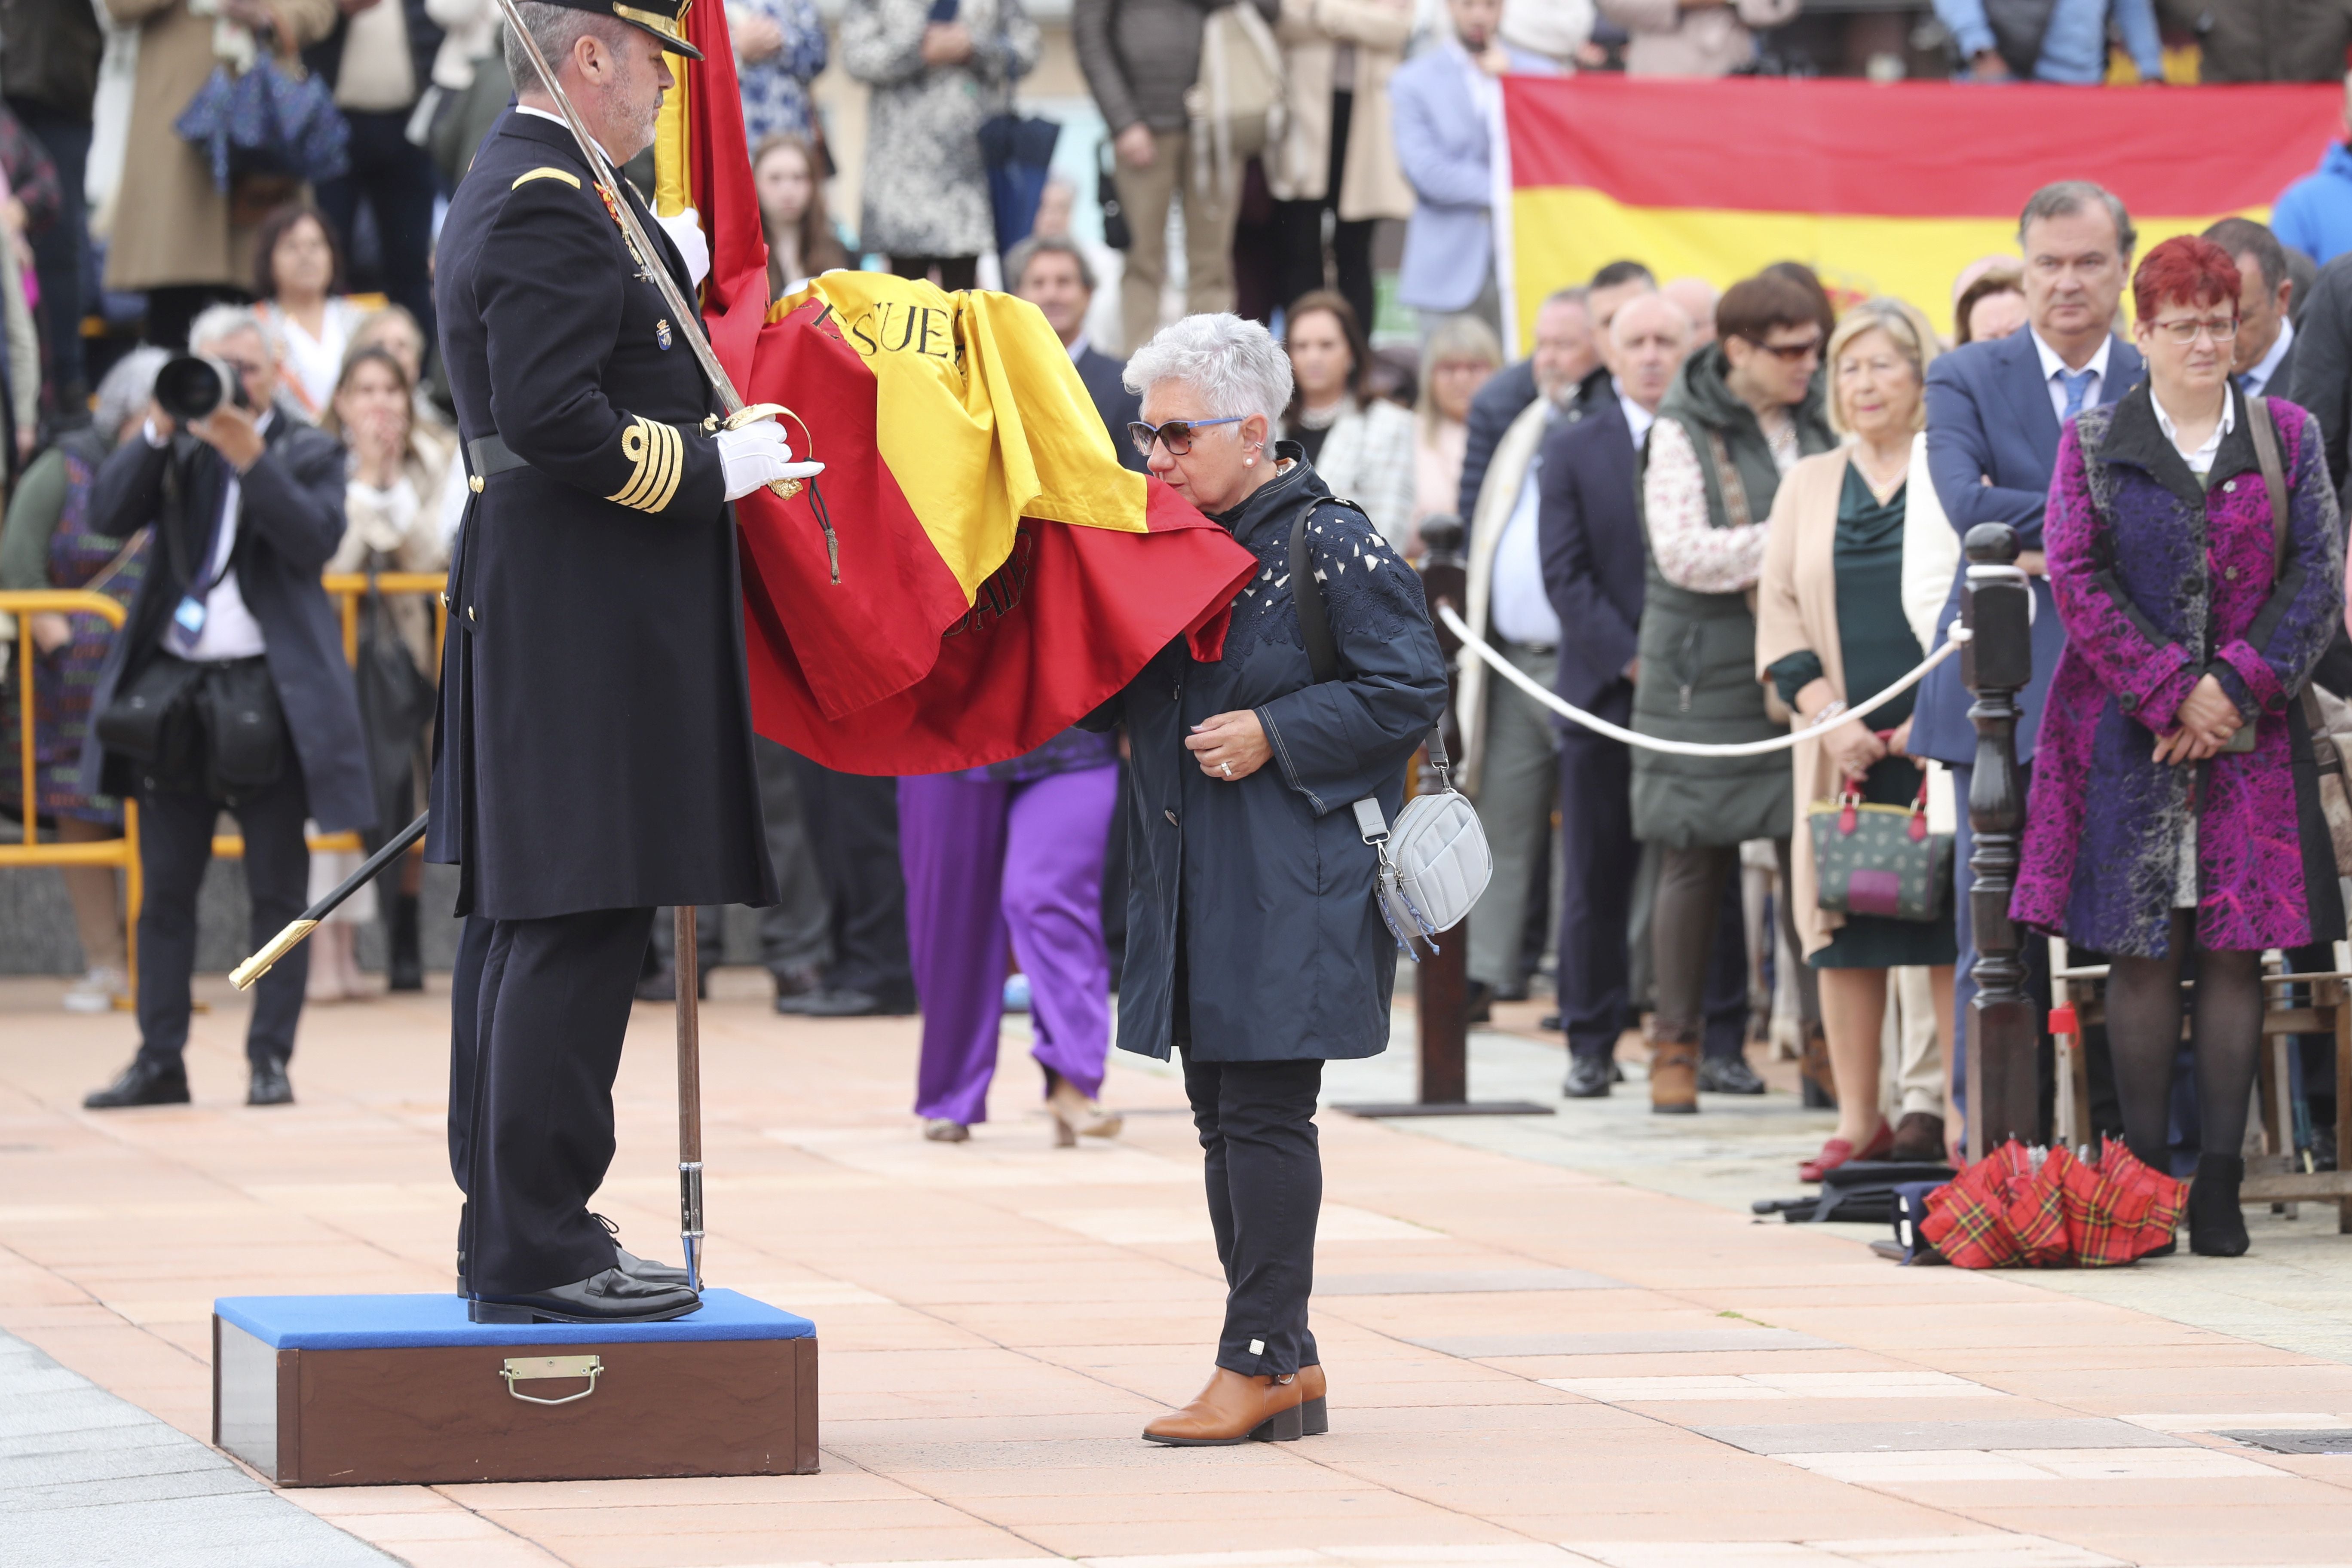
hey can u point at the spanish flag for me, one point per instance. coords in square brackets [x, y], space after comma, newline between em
[1000, 575]
[1881, 189]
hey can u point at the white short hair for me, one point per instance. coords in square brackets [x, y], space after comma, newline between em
[215, 323]
[1233, 363]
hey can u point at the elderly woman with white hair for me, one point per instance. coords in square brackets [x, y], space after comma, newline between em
[1254, 948]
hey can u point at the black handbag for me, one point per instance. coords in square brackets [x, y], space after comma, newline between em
[1116, 232]
[153, 721]
[245, 728]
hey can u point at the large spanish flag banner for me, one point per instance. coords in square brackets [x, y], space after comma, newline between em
[974, 571]
[1882, 189]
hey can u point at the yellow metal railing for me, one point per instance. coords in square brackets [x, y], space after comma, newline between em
[25, 604]
[348, 587]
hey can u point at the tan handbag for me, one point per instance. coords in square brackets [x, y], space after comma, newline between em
[1235, 105]
[2328, 716]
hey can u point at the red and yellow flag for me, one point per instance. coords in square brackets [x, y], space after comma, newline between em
[1882, 189]
[1001, 575]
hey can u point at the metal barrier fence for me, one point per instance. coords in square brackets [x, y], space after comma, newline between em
[349, 588]
[123, 852]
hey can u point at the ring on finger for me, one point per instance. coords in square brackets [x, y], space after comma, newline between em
[1228, 767]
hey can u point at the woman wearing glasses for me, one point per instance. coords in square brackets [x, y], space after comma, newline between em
[1253, 949]
[1740, 412]
[2194, 618]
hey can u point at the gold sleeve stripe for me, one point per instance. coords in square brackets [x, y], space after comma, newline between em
[564, 175]
[658, 454]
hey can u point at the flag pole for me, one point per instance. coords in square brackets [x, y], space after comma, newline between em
[687, 969]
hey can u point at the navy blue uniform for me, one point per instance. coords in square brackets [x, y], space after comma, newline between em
[592, 757]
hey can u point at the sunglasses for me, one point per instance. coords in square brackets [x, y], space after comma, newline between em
[1176, 434]
[1790, 354]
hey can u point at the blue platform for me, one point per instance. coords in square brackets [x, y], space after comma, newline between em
[377, 1322]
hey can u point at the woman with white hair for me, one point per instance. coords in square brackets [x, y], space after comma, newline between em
[1249, 870]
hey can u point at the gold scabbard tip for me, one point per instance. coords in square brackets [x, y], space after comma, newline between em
[285, 942]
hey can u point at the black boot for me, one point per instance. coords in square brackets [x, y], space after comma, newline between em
[405, 970]
[2217, 1224]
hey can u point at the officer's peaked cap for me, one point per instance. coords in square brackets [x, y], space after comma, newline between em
[663, 18]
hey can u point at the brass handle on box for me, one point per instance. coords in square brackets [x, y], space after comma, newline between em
[534, 1369]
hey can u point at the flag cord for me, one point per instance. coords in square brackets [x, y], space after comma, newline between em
[1453, 623]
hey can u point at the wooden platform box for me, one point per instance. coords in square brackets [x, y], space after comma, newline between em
[338, 1391]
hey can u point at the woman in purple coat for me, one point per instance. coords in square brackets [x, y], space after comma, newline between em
[2182, 635]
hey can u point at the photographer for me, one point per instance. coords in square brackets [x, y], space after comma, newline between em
[227, 687]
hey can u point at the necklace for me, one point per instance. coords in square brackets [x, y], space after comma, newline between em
[1881, 486]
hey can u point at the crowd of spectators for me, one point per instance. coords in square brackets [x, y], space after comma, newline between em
[1701, 515]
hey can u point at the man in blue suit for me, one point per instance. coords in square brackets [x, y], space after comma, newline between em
[1442, 106]
[1994, 413]
[1589, 527]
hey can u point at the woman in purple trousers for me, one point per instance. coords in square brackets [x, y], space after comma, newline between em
[1012, 852]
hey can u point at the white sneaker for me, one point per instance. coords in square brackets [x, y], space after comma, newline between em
[96, 992]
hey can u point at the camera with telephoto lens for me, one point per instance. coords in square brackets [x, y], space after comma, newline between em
[194, 386]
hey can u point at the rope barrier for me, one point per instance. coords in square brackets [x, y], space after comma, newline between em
[1521, 678]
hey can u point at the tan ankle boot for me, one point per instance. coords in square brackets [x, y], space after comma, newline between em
[1673, 1070]
[1234, 1409]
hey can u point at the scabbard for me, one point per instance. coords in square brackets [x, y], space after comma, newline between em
[286, 940]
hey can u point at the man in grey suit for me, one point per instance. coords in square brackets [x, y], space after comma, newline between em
[1994, 413]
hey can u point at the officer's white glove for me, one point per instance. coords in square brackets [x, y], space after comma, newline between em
[756, 455]
[685, 231]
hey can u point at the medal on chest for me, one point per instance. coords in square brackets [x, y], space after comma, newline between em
[612, 210]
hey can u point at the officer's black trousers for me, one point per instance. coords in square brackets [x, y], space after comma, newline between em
[1265, 1171]
[175, 844]
[548, 1002]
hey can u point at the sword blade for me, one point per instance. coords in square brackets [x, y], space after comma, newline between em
[689, 318]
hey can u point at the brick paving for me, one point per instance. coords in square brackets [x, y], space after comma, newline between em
[1562, 1345]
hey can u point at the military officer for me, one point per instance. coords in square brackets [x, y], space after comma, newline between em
[592, 757]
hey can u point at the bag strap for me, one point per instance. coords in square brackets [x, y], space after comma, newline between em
[1314, 624]
[2266, 453]
[1315, 627]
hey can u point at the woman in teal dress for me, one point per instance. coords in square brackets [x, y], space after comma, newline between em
[1830, 629]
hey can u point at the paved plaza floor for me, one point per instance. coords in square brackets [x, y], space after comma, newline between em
[1551, 1340]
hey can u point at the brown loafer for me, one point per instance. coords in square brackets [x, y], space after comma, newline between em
[1234, 1409]
[1314, 1407]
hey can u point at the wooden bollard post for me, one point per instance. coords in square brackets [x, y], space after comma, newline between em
[1996, 605]
[1441, 983]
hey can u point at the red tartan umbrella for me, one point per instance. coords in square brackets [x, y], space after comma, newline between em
[2008, 1210]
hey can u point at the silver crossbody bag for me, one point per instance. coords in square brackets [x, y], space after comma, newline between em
[1434, 861]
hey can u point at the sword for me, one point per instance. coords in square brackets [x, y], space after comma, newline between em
[689, 318]
[286, 940]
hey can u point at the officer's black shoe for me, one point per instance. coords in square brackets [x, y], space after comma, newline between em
[1727, 1075]
[628, 1262]
[269, 1084]
[143, 1083]
[613, 1296]
[1588, 1078]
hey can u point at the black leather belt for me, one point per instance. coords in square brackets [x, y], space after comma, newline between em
[488, 455]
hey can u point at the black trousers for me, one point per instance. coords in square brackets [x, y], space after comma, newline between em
[853, 832]
[1299, 229]
[395, 177]
[59, 249]
[1264, 1175]
[1699, 938]
[175, 844]
[538, 1011]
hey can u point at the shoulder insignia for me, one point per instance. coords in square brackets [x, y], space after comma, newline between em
[566, 175]
[658, 452]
